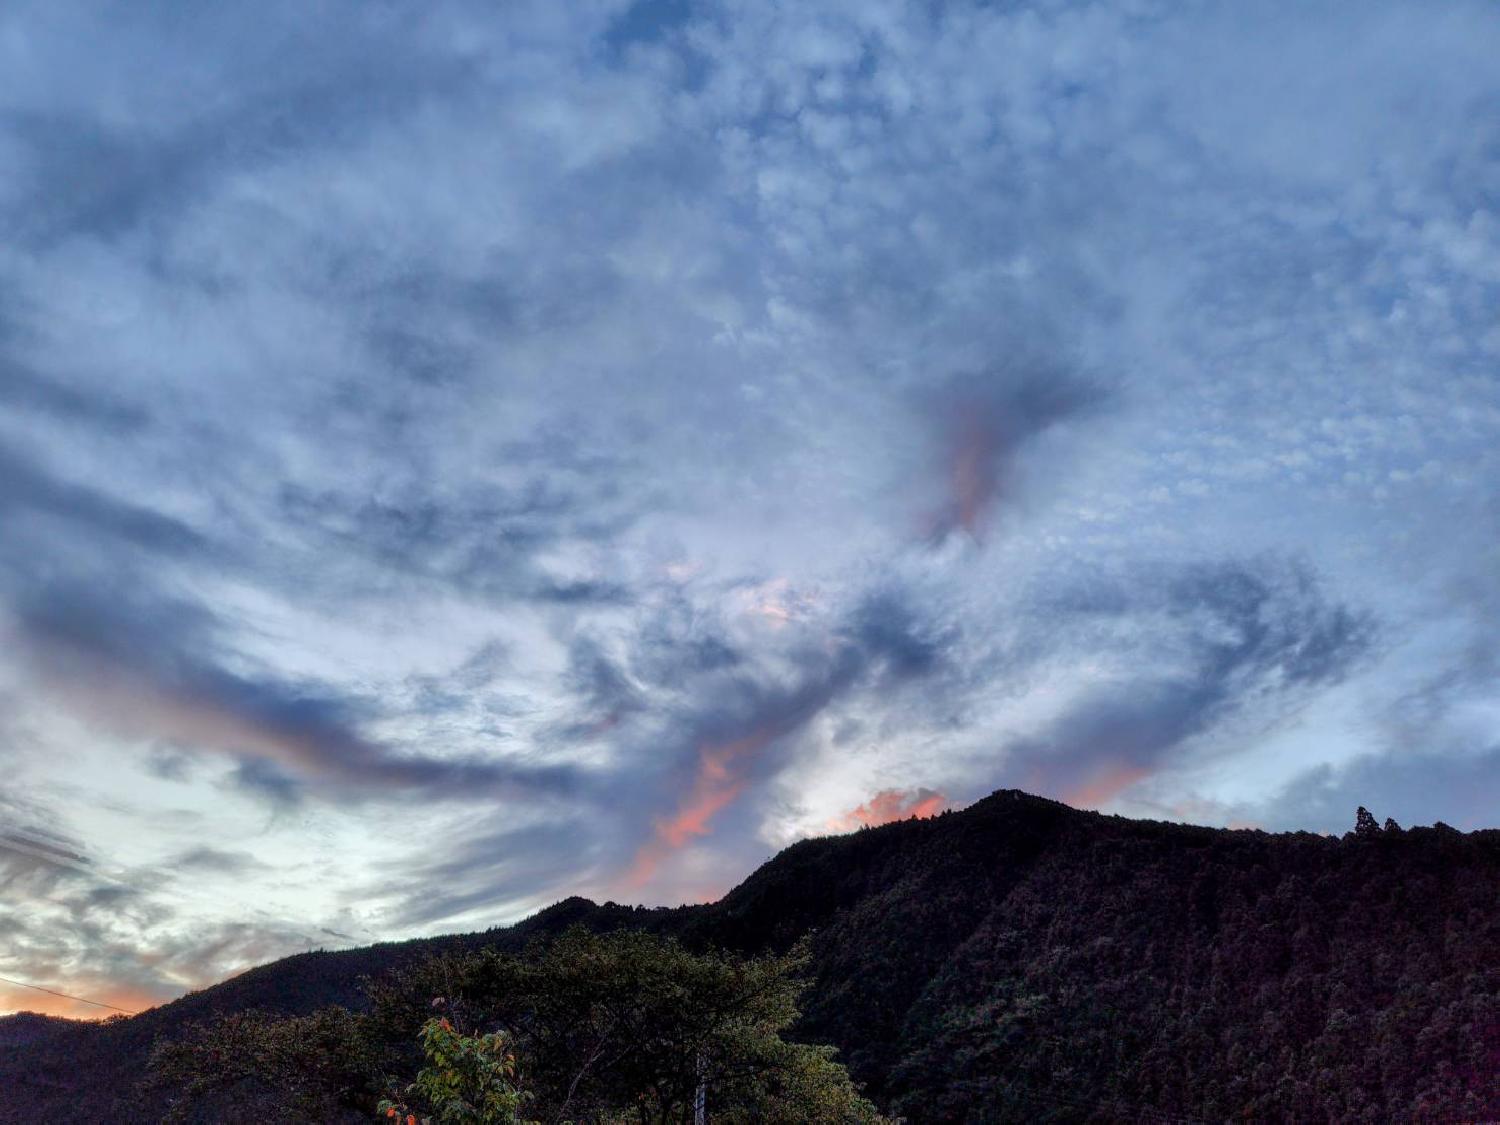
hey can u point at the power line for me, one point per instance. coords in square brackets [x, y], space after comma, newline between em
[69, 996]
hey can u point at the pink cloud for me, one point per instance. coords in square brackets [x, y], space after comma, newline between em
[890, 805]
[717, 783]
[1106, 784]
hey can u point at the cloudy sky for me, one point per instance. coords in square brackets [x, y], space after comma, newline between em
[453, 456]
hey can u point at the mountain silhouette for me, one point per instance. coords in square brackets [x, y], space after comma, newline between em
[1024, 961]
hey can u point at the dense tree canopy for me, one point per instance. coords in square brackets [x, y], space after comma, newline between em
[594, 1028]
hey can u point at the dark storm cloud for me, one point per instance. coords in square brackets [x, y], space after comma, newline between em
[1233, 637]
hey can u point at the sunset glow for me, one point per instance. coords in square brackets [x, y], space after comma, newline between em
[890, 805]
[717, 782]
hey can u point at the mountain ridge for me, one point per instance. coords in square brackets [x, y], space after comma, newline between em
[1020, 957]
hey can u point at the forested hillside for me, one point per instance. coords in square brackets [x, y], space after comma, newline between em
[1023, 961]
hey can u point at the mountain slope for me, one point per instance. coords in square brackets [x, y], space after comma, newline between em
[1024, 961]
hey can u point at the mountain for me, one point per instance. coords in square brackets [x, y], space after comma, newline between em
[1024, 961]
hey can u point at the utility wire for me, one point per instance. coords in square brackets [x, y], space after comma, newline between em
[69, 996]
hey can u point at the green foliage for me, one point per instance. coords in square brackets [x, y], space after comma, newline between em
[258, 1066]
[468, 1080]
[618, 1027]
[632, 1022]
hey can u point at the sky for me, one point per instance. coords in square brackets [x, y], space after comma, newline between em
[458, 455]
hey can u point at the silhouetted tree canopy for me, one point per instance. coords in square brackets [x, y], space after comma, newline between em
[621, 1026]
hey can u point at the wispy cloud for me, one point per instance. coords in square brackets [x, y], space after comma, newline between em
[150, 670]
[717, 782]
[1225, 640]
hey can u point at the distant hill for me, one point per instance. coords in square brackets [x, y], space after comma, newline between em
[28, 1027]
[1024, 961]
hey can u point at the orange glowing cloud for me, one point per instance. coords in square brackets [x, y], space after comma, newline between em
[1104, 786]
[717, 783]
[890, 805]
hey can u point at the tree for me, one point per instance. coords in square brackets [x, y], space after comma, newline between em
[468, 1080]
[627, 1021]
[617, 1027]
[251, 1066]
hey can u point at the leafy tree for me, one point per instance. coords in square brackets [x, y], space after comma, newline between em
[636, 1022]
[255, 1066]
[468, 1080]
[618, 1027]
